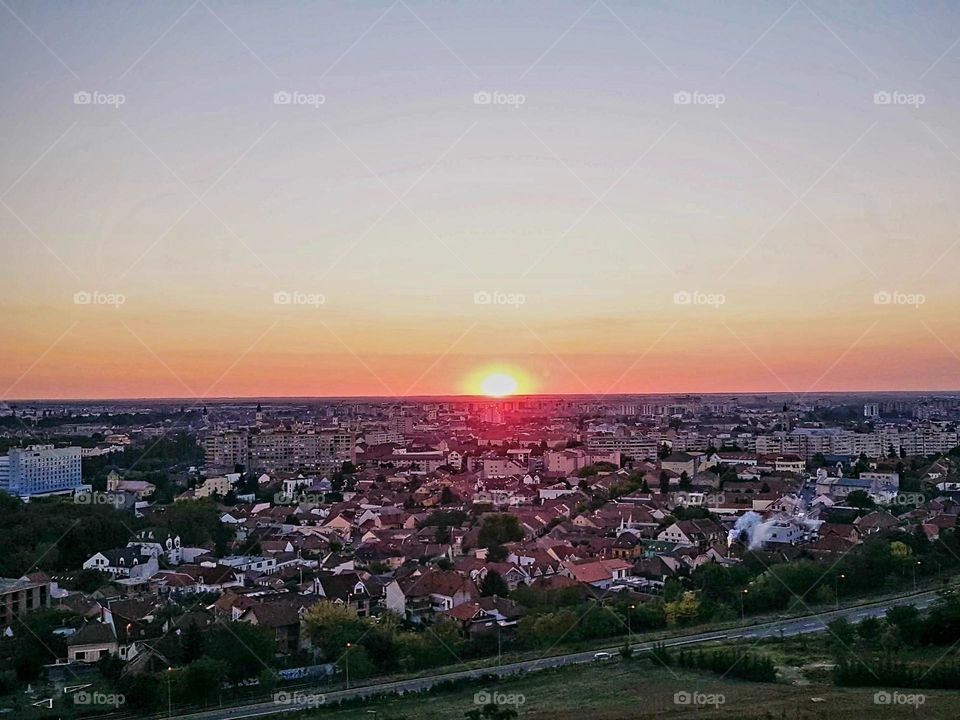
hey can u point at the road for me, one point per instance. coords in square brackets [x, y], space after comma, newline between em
[300, 700]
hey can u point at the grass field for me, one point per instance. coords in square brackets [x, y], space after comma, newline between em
[637, 689]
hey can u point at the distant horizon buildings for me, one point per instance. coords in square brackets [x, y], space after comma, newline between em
[40, 470]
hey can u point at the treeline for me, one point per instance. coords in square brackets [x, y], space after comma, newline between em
[726, 662]
[891, 672]
[884, 562]
[56, 534]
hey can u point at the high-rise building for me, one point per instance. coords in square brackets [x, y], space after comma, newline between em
[40, 470]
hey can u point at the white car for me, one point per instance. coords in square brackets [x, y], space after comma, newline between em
[603, 656]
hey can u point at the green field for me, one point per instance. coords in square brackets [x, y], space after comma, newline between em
[637, 689]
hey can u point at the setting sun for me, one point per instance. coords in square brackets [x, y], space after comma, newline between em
[498, 385]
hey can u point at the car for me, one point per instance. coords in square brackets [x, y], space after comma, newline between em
[602, 656]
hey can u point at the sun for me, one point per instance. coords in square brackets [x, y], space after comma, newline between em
[498, 385]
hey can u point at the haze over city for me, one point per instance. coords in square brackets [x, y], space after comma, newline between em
[596, 197]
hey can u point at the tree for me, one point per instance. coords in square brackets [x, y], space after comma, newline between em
[842, 632]
[664, 481]
[499, 529]
[869, 629]
[493, 584]
[201, 680]
[330, 627]
[192, 643]
[244, 649]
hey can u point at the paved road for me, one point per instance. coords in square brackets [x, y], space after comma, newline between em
[298, 701]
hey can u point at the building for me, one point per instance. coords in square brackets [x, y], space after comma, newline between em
[20, 596]
[40, 470]
[280, 450]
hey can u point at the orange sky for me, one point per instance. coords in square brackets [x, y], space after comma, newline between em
[411, 232]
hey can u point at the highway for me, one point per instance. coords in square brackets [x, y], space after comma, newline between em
[304, 699]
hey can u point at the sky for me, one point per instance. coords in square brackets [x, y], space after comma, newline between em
[209, 199]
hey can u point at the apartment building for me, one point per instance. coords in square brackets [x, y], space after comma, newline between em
[40, 470]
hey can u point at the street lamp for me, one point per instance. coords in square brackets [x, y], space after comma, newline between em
[169, 684]
[915, 575]
[743, 615]
[346, 657]
[630, 625]
[836, 588]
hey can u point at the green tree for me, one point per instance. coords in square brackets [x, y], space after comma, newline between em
[494, 584]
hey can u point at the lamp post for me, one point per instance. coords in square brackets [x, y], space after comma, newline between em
[169, 684]
[346, 657]
[836, 588]
[743, 615]
[630, 625]
[915, 575]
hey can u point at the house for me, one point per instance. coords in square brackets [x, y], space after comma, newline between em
[282, 618]
[350, 590]
[206, 578]
[128, 562]
[682, 462]
[424, 593]
[696, 533]
[91, 642]
[159, 543]
[598, 573]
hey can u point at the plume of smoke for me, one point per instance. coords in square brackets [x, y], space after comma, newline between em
[753, 531]
[743, 530]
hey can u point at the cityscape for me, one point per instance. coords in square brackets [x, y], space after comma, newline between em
[488, 361]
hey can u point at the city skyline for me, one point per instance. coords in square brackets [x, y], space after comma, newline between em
[394, 199]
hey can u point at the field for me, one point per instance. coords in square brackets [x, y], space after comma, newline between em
[637, 689]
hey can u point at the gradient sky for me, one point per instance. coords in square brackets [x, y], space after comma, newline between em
[399, 198]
